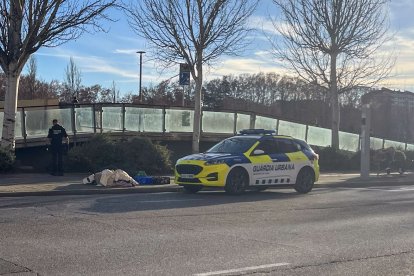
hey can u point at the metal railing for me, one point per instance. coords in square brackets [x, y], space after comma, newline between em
[34, 122]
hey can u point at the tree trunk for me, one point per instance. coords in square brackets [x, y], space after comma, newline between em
[10, 109]
[197, 113]
[334, 104]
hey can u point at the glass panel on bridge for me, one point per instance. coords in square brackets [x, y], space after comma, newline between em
[143, 119]
[319, 136]
[84, 120]
[38, 122]
[348, 141]
[111, 118]
[17, 126]
[292, 129]
[265, 123]
[218, 122]
[375, 143]
[179, 120]
[395, 144]
[243, 122]
[410, 147]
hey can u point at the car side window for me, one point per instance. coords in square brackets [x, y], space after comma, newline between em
[286, 146]
[268, 146]
[298, 146]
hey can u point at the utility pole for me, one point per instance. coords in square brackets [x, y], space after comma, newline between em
[140, 74]
[365, 140]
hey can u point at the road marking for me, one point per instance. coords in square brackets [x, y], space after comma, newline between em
[364, 189]
[244, 269]
[402, 189]
[167, 200]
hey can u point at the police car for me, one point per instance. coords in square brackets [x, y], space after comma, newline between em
[254, 159]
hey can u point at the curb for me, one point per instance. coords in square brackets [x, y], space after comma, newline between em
[364, 183]
[94, 191]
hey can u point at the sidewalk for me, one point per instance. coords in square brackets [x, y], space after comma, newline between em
[31, 184]
[13, 185]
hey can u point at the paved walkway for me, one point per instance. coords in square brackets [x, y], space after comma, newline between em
[71, 184]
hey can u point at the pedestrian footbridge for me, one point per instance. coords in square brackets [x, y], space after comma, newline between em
[164, 123]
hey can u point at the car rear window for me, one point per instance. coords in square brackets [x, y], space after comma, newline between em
[303, 145]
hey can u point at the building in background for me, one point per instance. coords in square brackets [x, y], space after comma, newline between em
[392, 114]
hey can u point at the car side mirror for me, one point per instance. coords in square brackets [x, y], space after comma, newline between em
[258, 152]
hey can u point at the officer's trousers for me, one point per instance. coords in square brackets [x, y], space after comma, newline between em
[57, 159]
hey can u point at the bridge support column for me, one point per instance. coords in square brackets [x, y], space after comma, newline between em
[252, 121]
[365, 140]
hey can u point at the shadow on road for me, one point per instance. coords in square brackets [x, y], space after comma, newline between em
[147, 202]
[373, 180]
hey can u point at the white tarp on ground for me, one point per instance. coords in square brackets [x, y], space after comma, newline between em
[109, 178]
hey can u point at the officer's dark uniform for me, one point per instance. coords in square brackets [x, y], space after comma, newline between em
[56, 133]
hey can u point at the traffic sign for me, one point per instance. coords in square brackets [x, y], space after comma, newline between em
[184, 76]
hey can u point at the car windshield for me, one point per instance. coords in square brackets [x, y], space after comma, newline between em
[233, 145]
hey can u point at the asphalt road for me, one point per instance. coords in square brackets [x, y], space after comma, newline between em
[331, 231]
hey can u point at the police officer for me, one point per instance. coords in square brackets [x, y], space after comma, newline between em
[56, 135]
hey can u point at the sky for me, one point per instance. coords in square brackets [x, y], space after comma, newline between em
[110, 57]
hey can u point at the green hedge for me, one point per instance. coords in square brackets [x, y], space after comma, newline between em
[7, 160]
[331, 159]
[132, 156]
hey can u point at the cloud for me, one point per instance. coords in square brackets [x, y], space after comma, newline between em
[118, 69]
[402, 75]
[266, 24]
[237, 66]
[126, 51]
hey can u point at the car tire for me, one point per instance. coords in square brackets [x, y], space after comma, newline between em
[192, 189]
[237, 181]
[304, 181]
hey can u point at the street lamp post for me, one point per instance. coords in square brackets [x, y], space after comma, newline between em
[140, 74]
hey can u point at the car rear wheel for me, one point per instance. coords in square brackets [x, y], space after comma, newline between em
[237, 181]
[304, 181]
[192, 189]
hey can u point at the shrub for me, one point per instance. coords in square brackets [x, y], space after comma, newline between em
[138, 154]
[89, 157]
[141, 154]
[331, 159]
[340, 160]
[7, 160]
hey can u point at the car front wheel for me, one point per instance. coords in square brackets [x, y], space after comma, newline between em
[237, 181]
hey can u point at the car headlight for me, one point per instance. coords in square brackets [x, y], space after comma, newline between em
[215, 162]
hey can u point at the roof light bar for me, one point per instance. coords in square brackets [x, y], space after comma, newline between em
[258, 132]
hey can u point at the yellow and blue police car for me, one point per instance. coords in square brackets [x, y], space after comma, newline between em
[254, 159]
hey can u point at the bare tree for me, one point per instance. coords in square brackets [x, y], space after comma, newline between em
[115, 92]
[194, 31]
[334, 43]
[27, 25]
[73, 80]
[32, 76]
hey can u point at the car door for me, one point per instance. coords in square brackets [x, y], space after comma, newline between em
[282, 165]
[261, 166]
[290, 160]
